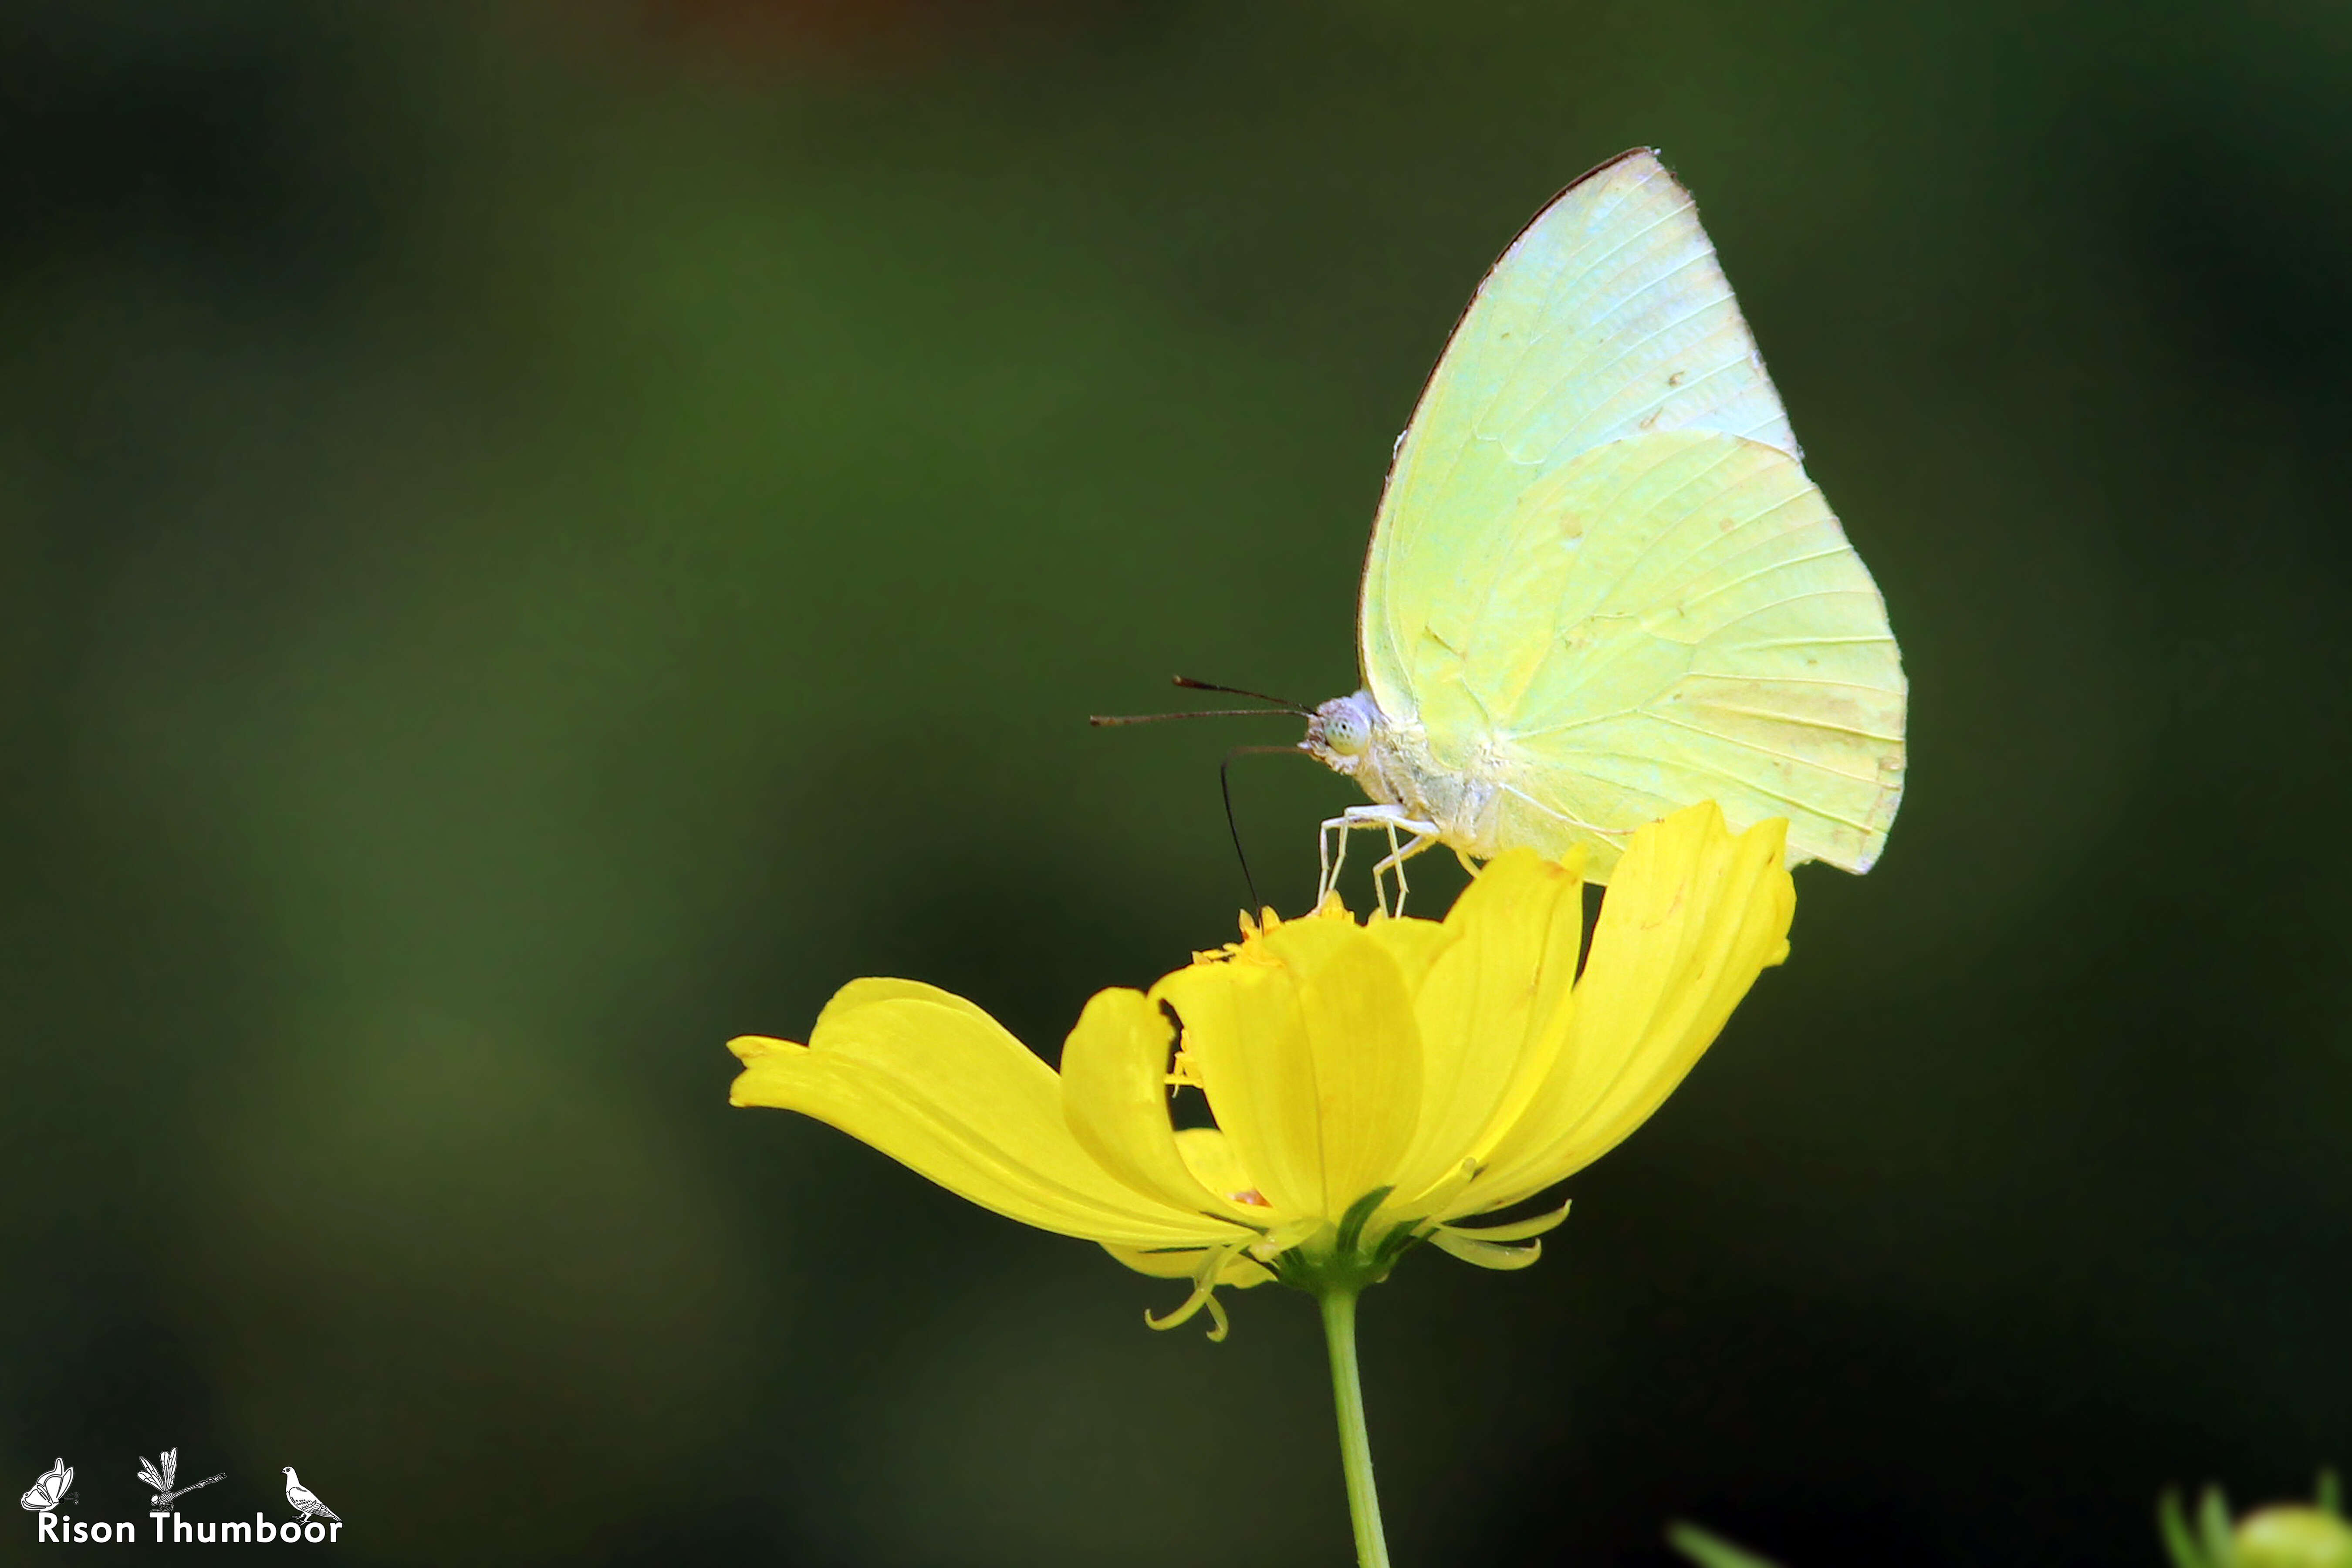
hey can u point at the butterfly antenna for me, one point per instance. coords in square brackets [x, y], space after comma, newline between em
[1290, 710]
[1104, 721]
[1232, 824]
[1298, 710]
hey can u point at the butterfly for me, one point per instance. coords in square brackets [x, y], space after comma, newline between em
[48, 1489]
[1601, 586]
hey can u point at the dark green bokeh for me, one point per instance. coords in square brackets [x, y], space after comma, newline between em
[529, 547]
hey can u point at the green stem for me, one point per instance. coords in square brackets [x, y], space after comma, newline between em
[1355, 1442]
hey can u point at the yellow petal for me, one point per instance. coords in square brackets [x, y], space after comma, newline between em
[1209, 1155]
[1115, 1099]
[938, 1085]
[1493, 1010]
[1167, 1263]
[1311, 1060]
[1415, 944]
[1692, 916]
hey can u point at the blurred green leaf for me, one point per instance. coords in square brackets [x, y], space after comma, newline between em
[2179, 1541]
[2215, 1537]
[1712, 1551]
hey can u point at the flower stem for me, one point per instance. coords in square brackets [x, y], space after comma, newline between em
[1355, 1442]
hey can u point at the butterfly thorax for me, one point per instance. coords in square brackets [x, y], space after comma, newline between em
[1390, 759]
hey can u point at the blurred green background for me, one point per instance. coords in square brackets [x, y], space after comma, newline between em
[536, 538]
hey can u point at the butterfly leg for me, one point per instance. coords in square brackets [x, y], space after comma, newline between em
[1331, 846]
[1330, 853]
[1425, 834]
[1396, 859]
[1331, 840]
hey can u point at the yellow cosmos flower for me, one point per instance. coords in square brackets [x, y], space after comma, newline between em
[1371, 1084]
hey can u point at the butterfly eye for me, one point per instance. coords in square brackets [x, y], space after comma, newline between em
[1342, 727]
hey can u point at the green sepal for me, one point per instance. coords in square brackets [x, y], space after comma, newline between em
[1359, 1215]
[1518, 1229]
[1485, 1254]
[1393, 1246]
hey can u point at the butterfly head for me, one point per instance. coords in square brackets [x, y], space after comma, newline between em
[1340, 730]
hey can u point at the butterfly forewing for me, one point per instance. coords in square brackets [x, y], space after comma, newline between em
[1608, 317]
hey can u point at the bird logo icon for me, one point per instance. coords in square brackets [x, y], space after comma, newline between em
[306, 1501]
[159, 1475]
[50, 1491]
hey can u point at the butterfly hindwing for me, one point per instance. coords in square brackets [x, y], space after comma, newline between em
[1673, 618]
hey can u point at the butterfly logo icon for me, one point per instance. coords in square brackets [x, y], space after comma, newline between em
[50, 1491]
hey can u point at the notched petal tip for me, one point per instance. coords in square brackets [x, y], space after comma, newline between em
[761, 1057]
[748, 1048]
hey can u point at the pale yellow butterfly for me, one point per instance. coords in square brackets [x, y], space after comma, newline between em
[1599, 586]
